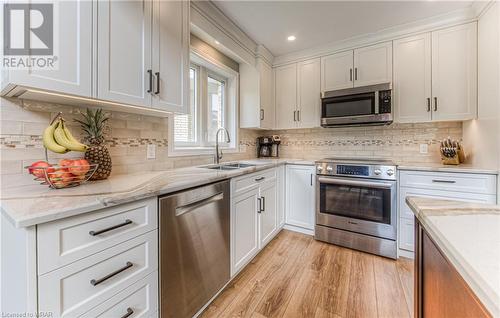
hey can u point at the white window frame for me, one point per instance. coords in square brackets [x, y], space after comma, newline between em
[207, 66]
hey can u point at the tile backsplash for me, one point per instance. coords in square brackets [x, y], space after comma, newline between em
[399, 142]
[22, 123]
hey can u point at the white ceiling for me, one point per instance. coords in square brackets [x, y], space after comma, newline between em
[319, 22]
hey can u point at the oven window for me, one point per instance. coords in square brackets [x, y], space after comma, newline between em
[349, 106]
[356, 202]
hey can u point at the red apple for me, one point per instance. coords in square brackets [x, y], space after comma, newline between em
[63, 163]
[80, 167]
[42, 165]
[60, 177]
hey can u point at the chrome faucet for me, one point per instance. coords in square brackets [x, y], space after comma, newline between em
[218, 154]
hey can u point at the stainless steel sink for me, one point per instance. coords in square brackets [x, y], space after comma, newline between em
[229, 166]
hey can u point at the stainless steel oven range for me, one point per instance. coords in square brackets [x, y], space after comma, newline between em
[356, 205]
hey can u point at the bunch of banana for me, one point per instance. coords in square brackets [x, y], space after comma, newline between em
[58, 138]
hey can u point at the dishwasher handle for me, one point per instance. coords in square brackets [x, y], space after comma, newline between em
[197, 204]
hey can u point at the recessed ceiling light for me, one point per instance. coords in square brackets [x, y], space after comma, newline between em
[217, 42]
[291, 38]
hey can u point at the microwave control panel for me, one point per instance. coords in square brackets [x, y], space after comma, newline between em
[384, 101]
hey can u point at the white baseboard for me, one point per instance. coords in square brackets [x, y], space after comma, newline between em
[298, 229]
[407, 254]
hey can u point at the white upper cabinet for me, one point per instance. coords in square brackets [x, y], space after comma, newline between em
[308, 97]
[266, 95]
[454, 72]
[412, 78]
[360, 67]
[171, 55]
[124, 52]
[435, 75]
[373, 64]
[257, 96]
[337, 71]
[73, 74]
[286, 96]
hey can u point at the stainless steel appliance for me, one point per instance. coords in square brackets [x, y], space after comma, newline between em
[367, 105]
[356, 205]
[268, 146]
[194, 248]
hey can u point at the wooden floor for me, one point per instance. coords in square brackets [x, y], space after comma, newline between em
[296, 276]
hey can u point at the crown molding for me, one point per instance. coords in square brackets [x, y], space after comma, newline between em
[263, 53]
[388, 34]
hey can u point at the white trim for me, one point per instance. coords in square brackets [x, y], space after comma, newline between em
[405, 253]
[393, 33]
[232, 108]
[298, 229]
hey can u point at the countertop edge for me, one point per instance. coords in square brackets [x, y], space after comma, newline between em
[101, 201]
[450, 169]
[458, 262]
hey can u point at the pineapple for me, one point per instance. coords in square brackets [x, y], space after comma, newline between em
[93, 125]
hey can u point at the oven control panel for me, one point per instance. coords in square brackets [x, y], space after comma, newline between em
[353, 170]
[373, 171]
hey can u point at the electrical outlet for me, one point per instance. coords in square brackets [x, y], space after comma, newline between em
[243, 148]
[424, 148]
[151, 152]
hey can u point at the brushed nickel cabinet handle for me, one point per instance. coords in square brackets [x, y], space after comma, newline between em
[129, 313]
[150, 72]
[294, 115]
[263, 204]
[350, 75]
[428, 104]
[95, 282]
[94, 233]
[259, 205]
[157, 74]
[298, 115]
[355, 73]
[260, 179]
[261, 114]
[443, 181]
[435, 103]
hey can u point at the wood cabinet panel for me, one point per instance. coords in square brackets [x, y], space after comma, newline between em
[441, 291]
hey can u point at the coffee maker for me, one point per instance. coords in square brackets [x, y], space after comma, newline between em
[268, 146]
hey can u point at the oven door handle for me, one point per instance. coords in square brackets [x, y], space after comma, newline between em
[367, 184]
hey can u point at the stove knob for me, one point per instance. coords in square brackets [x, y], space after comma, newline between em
[390, 172]
[319, 168]
[377, 172]
[329, 169]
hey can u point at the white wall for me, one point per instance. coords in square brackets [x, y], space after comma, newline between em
[482, 136]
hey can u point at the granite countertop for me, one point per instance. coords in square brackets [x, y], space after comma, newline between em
[35, 204]
[469, 236]
[462, 168]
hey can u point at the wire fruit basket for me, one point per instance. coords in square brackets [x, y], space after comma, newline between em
[59, 176]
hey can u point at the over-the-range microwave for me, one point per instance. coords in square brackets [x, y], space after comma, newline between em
[367, 105]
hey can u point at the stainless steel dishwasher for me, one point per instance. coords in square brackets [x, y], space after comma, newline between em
[194, 248]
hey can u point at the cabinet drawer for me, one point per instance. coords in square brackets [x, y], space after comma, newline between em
[243, 183]
[76, 288]
[65, 241]
[138, 300]
[406, 234]
[458, 182]
[406, 212]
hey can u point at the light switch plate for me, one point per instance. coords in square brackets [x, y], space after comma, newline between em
[151, 151]
[424, 148]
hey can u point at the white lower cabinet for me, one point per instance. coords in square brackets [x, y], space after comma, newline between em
[244, 229]
[138, 300]
[300, 197]
[254, 215]
[467, 187]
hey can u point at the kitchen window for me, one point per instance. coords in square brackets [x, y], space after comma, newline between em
[212, 105]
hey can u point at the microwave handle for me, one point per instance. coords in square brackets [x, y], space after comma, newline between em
[356, 183]
[377, 106]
